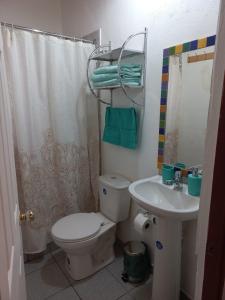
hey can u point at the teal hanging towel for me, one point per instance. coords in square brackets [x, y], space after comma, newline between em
[121, 127]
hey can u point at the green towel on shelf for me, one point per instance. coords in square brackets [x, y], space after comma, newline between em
[113, 82]
[104, 77]
[114, 68]
[121, 127]
[109, 76]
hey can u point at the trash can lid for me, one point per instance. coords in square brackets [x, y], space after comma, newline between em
[134, 248]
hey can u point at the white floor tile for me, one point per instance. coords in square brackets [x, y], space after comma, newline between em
[67, 294]
[142, 292]
[58, 254]
[61, 264]
[52, 246]
[45, 282]
[101, 286]
[116, 268]
[126, 297]
[38, 263]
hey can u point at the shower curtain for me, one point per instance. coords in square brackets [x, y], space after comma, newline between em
[55, 130]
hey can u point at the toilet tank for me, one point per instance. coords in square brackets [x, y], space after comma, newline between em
[114, 197]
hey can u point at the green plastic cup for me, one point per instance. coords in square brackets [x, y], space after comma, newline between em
[167, 173]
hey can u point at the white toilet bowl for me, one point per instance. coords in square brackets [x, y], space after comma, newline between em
[87, 239]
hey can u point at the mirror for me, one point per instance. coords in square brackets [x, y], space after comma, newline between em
[185, 95]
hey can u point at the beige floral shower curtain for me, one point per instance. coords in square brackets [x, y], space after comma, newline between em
[55, 130]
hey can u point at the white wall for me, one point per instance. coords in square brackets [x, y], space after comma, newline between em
[41, 14]
[170, 22]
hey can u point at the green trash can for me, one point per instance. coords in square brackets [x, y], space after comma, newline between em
[137, 265]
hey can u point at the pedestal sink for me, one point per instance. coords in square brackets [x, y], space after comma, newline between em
[171, 207]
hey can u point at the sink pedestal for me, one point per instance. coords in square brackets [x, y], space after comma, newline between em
[167, 262]
[171, 208]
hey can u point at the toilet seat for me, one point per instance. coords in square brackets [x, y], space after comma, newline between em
[77, 227]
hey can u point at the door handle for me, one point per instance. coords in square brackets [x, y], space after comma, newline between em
[27, 216]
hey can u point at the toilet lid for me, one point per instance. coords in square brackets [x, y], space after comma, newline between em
[77, 227]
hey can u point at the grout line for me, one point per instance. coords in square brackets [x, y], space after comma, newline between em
[67, 276]
[133, 287]
[64, 273]
[60, 291]
[127, 294]
[115, 277]
[76, 292]
[38, 269]
[105, 268]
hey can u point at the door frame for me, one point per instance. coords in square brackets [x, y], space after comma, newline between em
[210, 177]
[214, 274]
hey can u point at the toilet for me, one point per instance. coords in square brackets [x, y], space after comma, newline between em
[88, 238]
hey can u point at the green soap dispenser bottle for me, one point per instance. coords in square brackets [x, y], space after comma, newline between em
[194, 183]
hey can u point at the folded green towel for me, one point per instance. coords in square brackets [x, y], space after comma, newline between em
[121, 127]
[112, 82]
[109, 76]
[130, 74]
[104, 77]
[114, 68]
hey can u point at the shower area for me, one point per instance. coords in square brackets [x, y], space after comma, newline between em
[55, 126]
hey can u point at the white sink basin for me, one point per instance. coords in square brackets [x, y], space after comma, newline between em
[163, 200]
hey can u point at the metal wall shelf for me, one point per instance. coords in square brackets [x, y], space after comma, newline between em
[114, 54]
[118, 87]
[105, 54]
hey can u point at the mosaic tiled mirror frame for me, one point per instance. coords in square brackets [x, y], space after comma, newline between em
[178, 49]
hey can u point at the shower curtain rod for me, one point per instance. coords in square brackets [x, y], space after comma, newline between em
[65, 37]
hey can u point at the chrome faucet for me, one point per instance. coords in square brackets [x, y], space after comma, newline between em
[178, 184]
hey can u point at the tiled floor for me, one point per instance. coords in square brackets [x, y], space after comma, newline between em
[48, 279]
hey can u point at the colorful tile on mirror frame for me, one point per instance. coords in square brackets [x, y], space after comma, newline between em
[162, 124]
[211, 40]
[162, 138]
[160, 158]
[202, 43]
[164, 85]
[165, 77]
[179, 49]
[166, 52]
[162, 131]
[160, 151]
[186, 47]
[163, 108]
[162, 116]
[165, 69]
[163, 101]
[163, 93]
[172, 50]
[194, 45]
[161, 145]
[165, 61]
